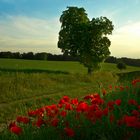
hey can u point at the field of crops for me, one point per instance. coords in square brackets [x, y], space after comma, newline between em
[31, 84]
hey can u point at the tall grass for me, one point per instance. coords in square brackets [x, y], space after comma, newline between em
[21, 90]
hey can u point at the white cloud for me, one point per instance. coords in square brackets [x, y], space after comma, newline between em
[126, 41]
[29, 34]
[111, 14]
[131, 29]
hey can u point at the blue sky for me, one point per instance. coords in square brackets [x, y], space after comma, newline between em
[33, 25]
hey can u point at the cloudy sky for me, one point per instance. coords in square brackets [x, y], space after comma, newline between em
[33, 25]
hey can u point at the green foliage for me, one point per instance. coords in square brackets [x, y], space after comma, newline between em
[84, 38]
[121, 65]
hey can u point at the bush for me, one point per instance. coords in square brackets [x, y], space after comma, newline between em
[121, 65]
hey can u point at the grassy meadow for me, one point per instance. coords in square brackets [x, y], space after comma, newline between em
[29, 84]
[54, 66]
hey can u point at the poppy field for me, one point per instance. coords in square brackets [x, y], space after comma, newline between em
[113, 113]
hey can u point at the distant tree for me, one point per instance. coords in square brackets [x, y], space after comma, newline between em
[121, 65]
[111, 59]
[16, 55]
[40, 56]
[7, 54]
[28, 55]
[130, 61]
[84, 38]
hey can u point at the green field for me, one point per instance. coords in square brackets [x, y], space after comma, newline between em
[28, 84]
[55, 66]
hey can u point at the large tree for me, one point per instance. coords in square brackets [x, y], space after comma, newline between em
[85, 38]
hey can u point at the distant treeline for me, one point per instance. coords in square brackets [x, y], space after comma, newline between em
[127, 61]
[60, 57]
[37, 56]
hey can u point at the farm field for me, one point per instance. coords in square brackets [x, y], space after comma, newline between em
[29, 84]
[54, 66]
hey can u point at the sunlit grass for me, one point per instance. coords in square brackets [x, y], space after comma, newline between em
[52, 66]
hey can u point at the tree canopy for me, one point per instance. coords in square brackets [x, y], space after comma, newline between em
[85, 38]
[121, 65]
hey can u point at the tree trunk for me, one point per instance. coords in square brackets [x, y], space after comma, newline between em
[90, 70]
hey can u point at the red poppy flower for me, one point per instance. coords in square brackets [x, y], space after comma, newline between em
[105, 111]
[110, 104]
[69, 132]
[66, 98]
[134, 82]
[63, 113]
[95, 101]
[38, 112]
[74, 101]
[23, 119]
[98, 114]
[52, 110]
[15, 129]
[98, 101]
[111, 118]
[53, 107]
[88, 97]
[131, 121]
[135, 113]
[39, 122]
[12, 124]
[110, 87]
[82, 107]
[60, 105]
[62, 101]
[32, 113]
[118, 102]
[96, 95]
[68, 106]
[132, 102]
[93, 107]
[121, 88]
[55, 122]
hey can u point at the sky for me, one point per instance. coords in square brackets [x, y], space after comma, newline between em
[33, 25]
